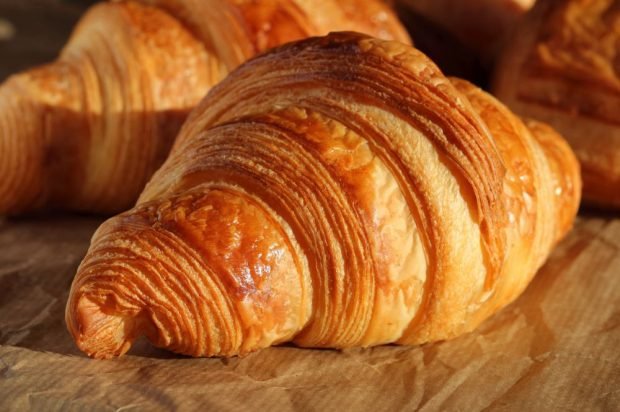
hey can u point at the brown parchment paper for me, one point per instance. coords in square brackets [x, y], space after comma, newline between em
[556, 348]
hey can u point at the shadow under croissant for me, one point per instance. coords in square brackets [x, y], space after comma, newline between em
[66, 160]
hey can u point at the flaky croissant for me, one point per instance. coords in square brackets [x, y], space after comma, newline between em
[563, 67]
[334, 192]
[86, 132]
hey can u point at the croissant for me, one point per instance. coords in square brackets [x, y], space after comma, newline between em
[86, 132]
[562, 67]
[334, 192]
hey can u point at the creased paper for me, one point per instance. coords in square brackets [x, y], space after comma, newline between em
[556, 348]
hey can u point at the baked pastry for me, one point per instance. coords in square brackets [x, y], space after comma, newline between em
[481, 25]
[86, 132]
[334, 192]
[562, 67]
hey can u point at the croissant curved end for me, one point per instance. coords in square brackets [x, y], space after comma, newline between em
[166, 270]
[98, 334]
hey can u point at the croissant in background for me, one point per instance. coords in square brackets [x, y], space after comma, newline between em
[334, 192]
[86, 132]
[563, 67]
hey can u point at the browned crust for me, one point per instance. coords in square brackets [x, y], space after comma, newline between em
[301, 154]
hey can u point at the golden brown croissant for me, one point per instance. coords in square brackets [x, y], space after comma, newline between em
[481, 25]
[86, 132]
[563, 67]
[334, 192]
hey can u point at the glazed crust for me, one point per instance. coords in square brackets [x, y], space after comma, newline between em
[86, 132]
[334, 192]
[562, 68]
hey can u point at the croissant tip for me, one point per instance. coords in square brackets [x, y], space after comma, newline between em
[100, 335]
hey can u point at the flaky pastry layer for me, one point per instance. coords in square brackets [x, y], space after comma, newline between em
[338, 191]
